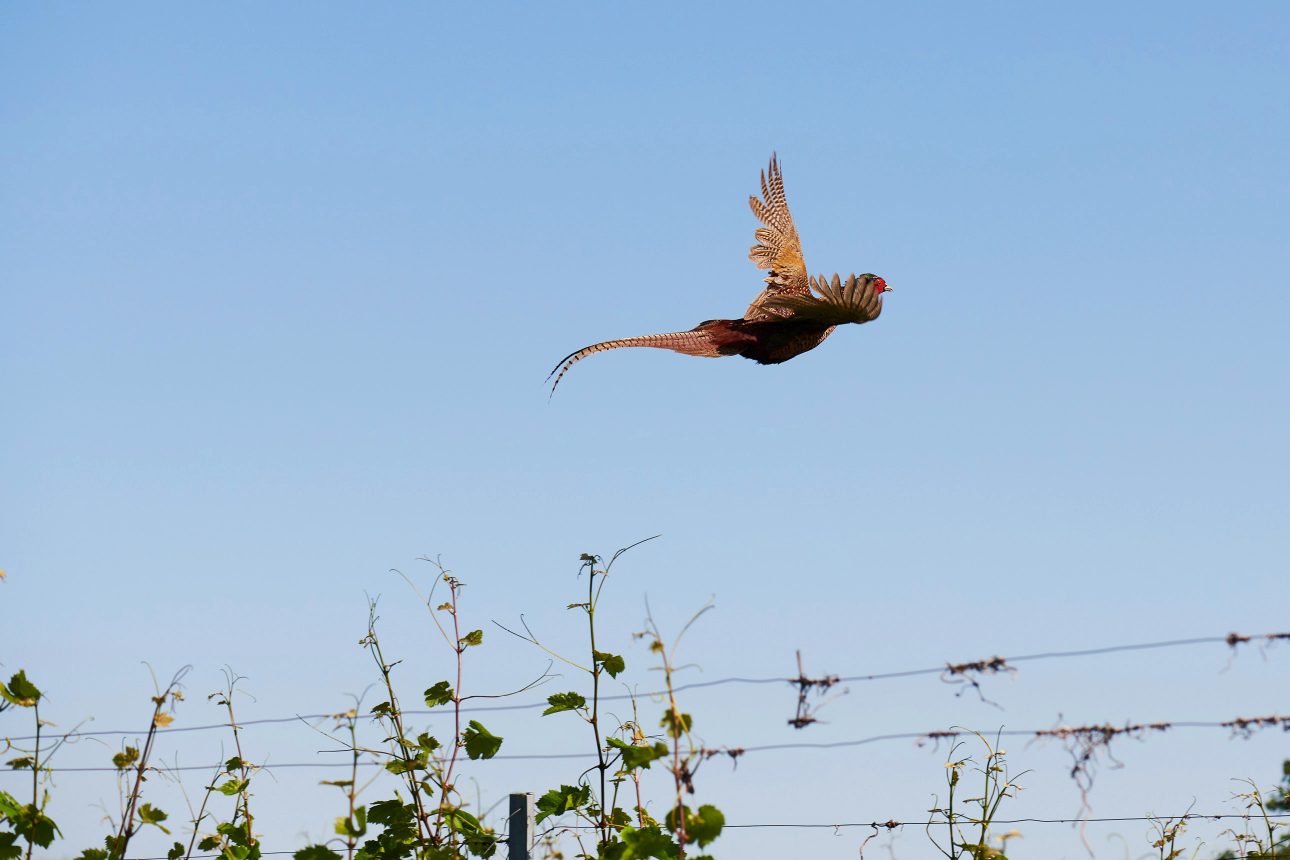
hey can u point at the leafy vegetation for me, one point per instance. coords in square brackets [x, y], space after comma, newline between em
[603, 811]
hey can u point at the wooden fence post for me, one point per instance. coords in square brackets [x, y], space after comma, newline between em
[520, 827]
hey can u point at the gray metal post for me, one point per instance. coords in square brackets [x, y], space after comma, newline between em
[520, 828]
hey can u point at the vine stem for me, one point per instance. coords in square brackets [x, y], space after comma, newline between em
[126, 830]
[396, 722]
[201, 812]
[35, 774]
[242, 766]
[601, 764]
[678, 724]
[352, 794]
[458, 648]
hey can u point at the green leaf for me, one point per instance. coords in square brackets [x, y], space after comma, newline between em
[9, 806]
[235, 763]
[440, 694]
[237, 832]
[354, 827]
[474, 637]
[315, 852]
[560, 800]
[565, 702]
[149, 814]
[461, 821]
[126, 758]
[611, 663]
[87, 854]
[19, 691]
[176, 851]
[34, 825]
[10, 851]
[702, 826]
[391, 813]
[427, 743]
[232, 787]
[208, 843]
[23, 763]
[480, 743]
[635, 756]
[482, 844]
[706, 824]
[396, 840]
[647, 842]
[676, 724]
[382, 709]
[398, 766]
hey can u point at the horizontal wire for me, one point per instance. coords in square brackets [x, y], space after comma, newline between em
[1239, 724]
[891, 825]
[1232, 639]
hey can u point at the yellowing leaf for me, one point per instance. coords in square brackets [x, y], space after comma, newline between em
[163, 720]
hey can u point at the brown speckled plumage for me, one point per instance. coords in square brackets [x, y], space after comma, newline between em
[792, 315]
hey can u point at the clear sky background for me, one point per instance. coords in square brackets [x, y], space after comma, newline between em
[281, 284]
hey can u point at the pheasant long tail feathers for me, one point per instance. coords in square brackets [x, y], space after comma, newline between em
[698, 343]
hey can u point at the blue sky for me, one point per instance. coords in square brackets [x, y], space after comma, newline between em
[281, 285]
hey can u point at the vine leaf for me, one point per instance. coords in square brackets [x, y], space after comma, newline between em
[440, 694]
[480, 742]
[611, 663]
[565, 702]
[635, 757]
[19, 691]
[560, 800]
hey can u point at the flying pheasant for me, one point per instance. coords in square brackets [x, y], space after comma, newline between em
[793, 314]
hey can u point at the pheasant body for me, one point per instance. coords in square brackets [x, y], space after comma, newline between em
[792, 315]
[766, 341]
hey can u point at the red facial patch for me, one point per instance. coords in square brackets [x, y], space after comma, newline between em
[879, 285]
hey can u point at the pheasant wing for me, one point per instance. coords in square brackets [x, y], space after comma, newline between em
[833, 302]
[778, 248]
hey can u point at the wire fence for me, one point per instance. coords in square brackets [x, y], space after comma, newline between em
[1090, 736]
[949, 671]
[1082, 742]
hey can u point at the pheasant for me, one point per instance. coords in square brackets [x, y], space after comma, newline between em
[792, 315]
